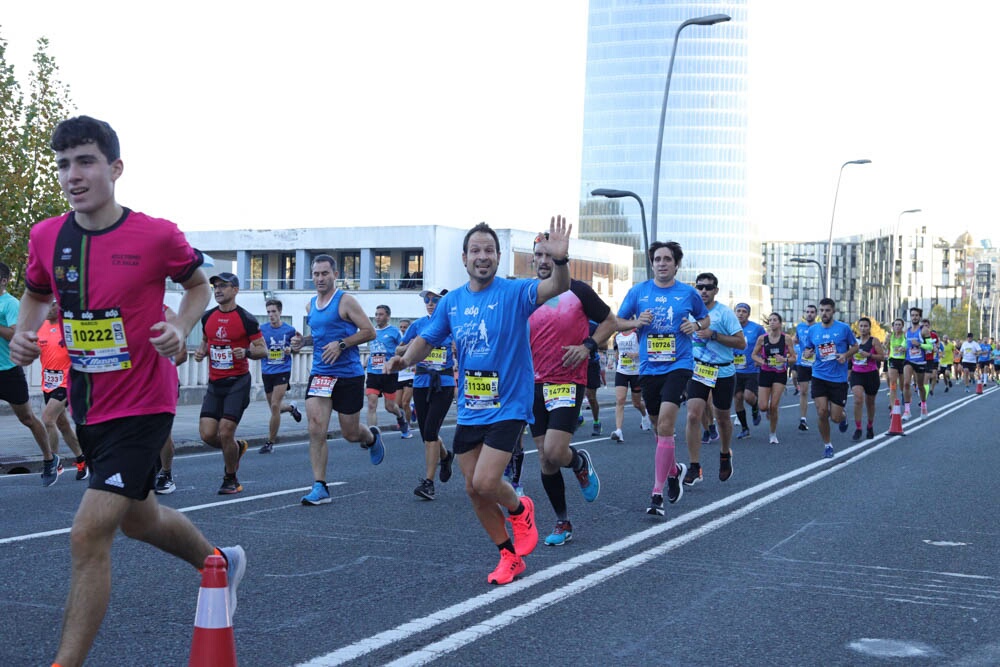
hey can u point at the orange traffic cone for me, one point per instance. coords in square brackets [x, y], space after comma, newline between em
[213, 643]
[896, 424]
[979, 383]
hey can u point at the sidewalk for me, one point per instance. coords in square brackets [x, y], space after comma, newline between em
[19, 452]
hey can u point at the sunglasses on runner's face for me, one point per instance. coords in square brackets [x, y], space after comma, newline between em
[431, 299]
[703, 288]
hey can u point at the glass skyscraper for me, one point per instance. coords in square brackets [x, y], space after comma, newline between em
[702, 195]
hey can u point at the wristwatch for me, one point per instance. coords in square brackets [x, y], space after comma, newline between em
[715, 335]
[342, 345]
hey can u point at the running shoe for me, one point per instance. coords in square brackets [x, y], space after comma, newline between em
[561, 534]
[236, 562]
[796, 392]
[725, 466]
[857, 435]
[294, 411]
[510, 566]
[510, 471]
[404, 428]
[646, 424]
[579, 420]
[616, 435]
[590, 484]
[425, 489]
[870, 433]
[266, 448]
[244, 445]
[319, 495]
[744, 434]
[230, 485]
[772, 439]
[596, 430]
[518, 489]
[376, 450]
[82, 471]
[755, 414]
[413, 412]
[923, 410]
[524, 528]
[655, 505]
[693, 475]
[802, 424]
[842, 426]
[713, 432]
[674, 488]
[706, 437]
[444, 474]
[164, 483]
[828, 452]
[51, 470]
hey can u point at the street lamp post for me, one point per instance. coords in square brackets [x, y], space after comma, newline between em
[703, 20]
[615, 194]
[829, 243]
[892, 265]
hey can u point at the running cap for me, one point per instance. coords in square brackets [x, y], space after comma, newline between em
[743, 304]
[439, 291]
[225, 278]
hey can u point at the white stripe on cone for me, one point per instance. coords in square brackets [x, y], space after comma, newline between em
[213, 609]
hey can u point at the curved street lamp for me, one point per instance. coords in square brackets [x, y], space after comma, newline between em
[703, 20]
[807, 260]
[829, 242]
[615, 194]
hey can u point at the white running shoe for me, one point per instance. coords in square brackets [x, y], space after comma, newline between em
[617, 436]
[646, 425]
[773, 439]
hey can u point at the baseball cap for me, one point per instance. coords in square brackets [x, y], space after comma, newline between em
[440, 291]
[230, 278]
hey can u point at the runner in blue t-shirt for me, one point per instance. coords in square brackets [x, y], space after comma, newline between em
[829, 344]
[276, 370]
[488, 320]
[380, 382]
[803, 367]
[433, 392]
[715, 375]
[659, 309]
[746, 371]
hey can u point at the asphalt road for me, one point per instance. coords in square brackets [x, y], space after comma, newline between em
[884, 555]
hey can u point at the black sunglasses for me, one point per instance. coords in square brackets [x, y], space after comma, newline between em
[431, 299]
[705, 287]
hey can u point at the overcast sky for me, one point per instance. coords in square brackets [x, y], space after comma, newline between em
[237, 115]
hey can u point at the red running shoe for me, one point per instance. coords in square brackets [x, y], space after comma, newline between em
[509, 567]
[525, 530]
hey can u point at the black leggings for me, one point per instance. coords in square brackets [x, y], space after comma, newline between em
[432, 407]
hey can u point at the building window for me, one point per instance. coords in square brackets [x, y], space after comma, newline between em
[350, 269]
[286, 271]
[258, 267]
[382, 270]
[413, 277]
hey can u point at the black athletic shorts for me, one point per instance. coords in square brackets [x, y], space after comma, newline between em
[722, 392]
[559, 419]
[666, 388]
[404, 383]
[930, 366]
[631, 381]
[803, 373]
[502, 435]
[432, 407]
[227, 398]
[382, 384]
[13, 386]
[835, 392]
[897, 365]
[969, 366]
[747, 382]
[868, 381]
[593, 374]
[346, 394]
[768, 379]
[123, 453]
[275, 380]
[917, 368]
[57, 394]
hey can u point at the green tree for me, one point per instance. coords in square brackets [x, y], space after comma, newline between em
[29, 187]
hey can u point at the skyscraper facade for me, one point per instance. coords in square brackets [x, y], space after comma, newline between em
[702, 192]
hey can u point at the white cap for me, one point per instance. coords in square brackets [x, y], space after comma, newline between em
[440, 291]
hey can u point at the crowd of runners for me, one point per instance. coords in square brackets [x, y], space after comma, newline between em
[515, 356]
